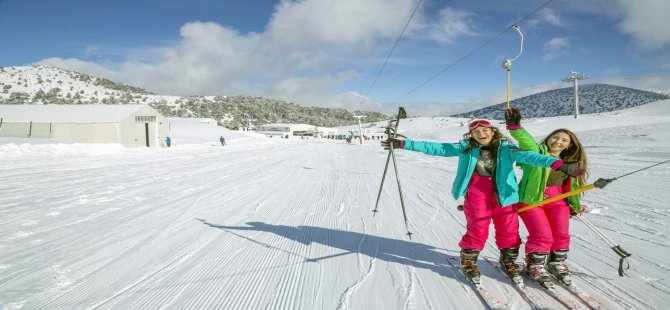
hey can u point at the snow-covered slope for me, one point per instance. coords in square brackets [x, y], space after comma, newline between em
[41, 84]
[287, 223]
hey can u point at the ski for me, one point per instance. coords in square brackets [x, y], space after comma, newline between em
[535, 300]
[490, 300]
[566, 300]
[585, 297]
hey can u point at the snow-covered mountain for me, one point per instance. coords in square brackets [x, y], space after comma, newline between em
[49, 85]
[593, 98]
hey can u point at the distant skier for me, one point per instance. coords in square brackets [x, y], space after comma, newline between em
[222, 140]
[168, 141]
[483, 154]
[548, 225]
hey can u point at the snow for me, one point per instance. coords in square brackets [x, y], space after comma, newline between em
[269, 223]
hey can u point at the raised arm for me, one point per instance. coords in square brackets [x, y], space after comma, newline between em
[525, 139]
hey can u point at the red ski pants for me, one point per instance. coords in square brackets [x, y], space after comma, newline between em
[480, 207]
[548, 225]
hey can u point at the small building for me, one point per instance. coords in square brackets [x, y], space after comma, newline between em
[295, 130]
[325, 131]
[129, 125]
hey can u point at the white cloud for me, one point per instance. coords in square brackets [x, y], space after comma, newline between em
[647, 22]
[306, 50]
[343, 23]
[650, 81]
[451, 24]
[555, 48]
[546, 16]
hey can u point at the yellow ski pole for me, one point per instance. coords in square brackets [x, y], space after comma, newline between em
[507, 64]
[600, 183]
[564, 195]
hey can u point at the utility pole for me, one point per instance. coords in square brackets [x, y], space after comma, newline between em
[360, 130]
[574, 77]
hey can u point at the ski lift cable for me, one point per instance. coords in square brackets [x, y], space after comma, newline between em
[393, 49]
[645, 168]
[472, 52]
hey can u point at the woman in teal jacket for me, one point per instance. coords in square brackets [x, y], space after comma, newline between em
[548, 225]
[486, 178]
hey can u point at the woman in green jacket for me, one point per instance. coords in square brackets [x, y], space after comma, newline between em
[548, 225]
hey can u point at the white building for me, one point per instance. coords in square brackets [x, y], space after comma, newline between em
[129, 125]
[295, 130]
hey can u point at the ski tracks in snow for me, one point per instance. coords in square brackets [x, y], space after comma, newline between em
[282, 225]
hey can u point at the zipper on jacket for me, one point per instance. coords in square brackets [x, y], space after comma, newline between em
[495, 175]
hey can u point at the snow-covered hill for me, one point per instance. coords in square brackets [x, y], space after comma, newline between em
[48, 85]
[41, 84]
[287, 224]
[593, 98]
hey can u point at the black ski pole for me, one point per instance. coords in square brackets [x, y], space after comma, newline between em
[392, 132]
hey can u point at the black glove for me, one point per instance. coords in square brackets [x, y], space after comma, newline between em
[397, 143]
[513, 117]
[601, 183]
[572, 169]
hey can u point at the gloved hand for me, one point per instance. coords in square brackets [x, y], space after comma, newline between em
[513, 118]
[397, 143]
[583, 209]
[572, 169]
[601, 183]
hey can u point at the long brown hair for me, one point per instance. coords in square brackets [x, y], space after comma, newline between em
[574, 153]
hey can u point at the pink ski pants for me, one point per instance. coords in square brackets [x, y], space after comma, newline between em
[480, 207]
[549, 225]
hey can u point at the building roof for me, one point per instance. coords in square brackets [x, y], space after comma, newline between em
[65, 113]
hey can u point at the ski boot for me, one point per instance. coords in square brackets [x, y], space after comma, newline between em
[508, 264]
[557, 267]
[469, 266]
[535, 269]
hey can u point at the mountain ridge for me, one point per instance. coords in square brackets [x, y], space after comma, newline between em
[593, 98]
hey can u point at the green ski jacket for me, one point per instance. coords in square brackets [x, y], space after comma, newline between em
[534, 180]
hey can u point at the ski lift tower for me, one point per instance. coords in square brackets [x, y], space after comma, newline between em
[574, 77]
[360, 130]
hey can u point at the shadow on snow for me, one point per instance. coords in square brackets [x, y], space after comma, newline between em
[408, 253]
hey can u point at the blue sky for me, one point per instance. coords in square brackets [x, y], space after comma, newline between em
[328, 52]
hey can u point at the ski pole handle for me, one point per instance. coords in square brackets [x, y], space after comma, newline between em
[621, 252]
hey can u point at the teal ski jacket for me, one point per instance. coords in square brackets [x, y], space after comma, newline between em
[505, 178]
